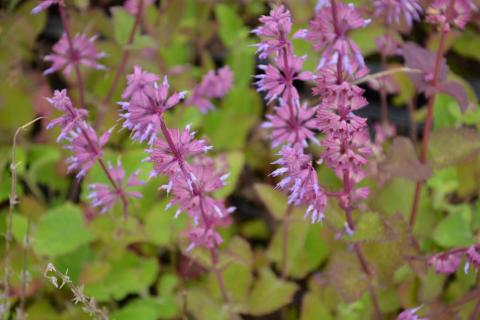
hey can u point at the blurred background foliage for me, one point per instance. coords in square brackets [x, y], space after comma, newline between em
[139, 268]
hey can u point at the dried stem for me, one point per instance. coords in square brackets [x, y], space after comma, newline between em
[382, 74]
[89, 304]
[428, 122]
[121, 67]
[9, 235]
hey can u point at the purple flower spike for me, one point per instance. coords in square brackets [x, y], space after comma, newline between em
[445, 263]
[410, 314]
[72, 117]
[142, 114]
[105, 196]
[274, 28]
[138, 82]
[288, 129]
[439, 13]
[83, 52]
[213, 85]
[86, 148]
[167, 161]
[398, 12]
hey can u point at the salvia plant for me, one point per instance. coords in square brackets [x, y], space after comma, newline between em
[224, 159]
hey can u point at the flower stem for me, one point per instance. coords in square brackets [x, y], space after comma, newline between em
[428, 122]
[121, 67]
[66, 28]
[347, 187]
[383, 93]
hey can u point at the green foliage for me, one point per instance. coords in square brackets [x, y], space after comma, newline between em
[61, 230]
[269, 293]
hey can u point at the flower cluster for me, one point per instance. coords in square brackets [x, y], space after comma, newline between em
[445, 13]
[87, 149]
[292, 123]
[398, 12]
[328, 33]
[214, 85]
[105, 196]
[177, 154]
[410, 314]
[448, 262]
[69, 52]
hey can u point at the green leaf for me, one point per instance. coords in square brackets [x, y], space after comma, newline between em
[231, 27]
[61, 230]
[19, 227]
[371, 227]
[454, 229]
[235, 161]
[128, 274]
[122, 25]
[452, 145]
[305, 253]
[161, 227]
[274, 200]
[147, 309]
[313, 308]
[468, 44]
[270, 293]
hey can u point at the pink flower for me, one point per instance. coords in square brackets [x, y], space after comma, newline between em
[388, 45]
[203, 237]
[473, 258]
[346, 154]
[72, 117]
[138, 82]
[278, 80]
[213, 85]
[332, 38]
[86, 148]
[440, 13]
[410, 314]
[191, 193]
[44, 4]
[105, 196]
[132, 6]
[301, 182]
[142, 114]
[167, 161]
[445, 263]
[274, 28]
[291, 128]
[328, 85]
[83, 52]
[398, 12]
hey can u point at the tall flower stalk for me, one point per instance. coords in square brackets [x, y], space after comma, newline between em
[293, 124]
[177, 154]
[443, 14]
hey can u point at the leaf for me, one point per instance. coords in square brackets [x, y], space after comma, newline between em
[346, 276]
[371, 227]
[401, 161]
[202, 306]
[127, 274]
[422, 59]
[122, 24]
[147, 309]
[235, 161]
[468, 44]
[457, 91]
[274, 200]
[305, 253]
[269, 294]
[450, 146]
[161, 226]
[231, 27]
[454, 230]
[61, 230]
[313, 308]
[19, 227]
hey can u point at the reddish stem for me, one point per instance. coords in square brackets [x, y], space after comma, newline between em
[428, 122]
